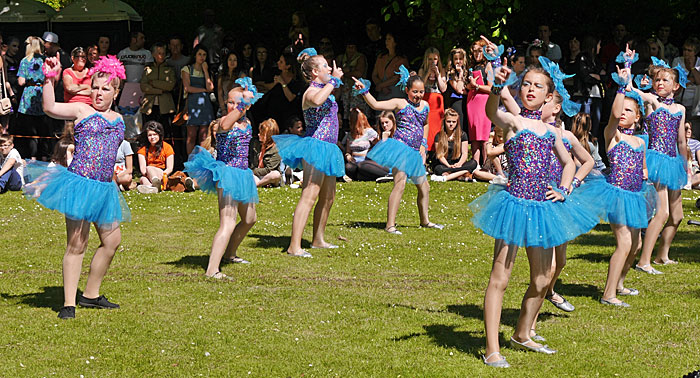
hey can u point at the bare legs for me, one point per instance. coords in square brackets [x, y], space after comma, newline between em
[669, 213]
[151, 173]
[558, 263]
[628, 240]
[77, 238]
[195, 134]
[503, 260]
[316, 185]
[230, 235]
[479, 151]
[272, 178]
[395, 199]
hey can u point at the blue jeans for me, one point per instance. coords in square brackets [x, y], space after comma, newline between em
[10, 181]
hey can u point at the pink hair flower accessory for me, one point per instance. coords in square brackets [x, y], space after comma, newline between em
[111, 65]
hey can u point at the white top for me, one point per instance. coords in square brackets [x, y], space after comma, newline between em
[688, 94]
[123, 151]
[19, 163]
[178, 63]
[134, 63]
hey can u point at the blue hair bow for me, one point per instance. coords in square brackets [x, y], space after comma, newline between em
[569, 107]
[682, 73]
[404, 74]
[496, 54]
[247, 84]
[310, 51]
[553, 70]
[638, 81]
[636, 97]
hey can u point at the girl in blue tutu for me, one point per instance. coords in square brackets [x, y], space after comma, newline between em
[229, 177]
[317, 152]
[666, 157]
[628, 199]
[527, 212]
[84, 192]
[403, 153]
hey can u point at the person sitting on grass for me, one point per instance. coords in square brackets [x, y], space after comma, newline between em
[124, 166]
[496, 162]
[11, 165]
[158, 161]
[451, 148]
[295, 126]
[361, 138]
[267, 172]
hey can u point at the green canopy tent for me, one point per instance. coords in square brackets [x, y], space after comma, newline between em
[22, 18]
[82, 21]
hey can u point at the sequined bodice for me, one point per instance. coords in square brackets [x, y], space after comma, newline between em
[626, 166]
[528, 164]
[556, 169]
[409, 125]
[662, 126]
[322, 122]
[96, 143]
[232, 146]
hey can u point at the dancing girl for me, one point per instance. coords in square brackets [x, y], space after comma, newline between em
[317, 152]
[84, 192]
[403, 153]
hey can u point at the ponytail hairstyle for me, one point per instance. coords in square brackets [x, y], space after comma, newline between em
[443, 137]
[581, 128]
[559, 100]
[308, 64]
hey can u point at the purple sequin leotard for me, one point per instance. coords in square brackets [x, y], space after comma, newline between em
[626, 167]
[96, 143]
[409, 125]
[556, 169]
[232, 146]
[662, 126]
[322, 122]
[529, 164]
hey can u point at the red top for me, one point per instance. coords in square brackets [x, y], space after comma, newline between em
[69, 97]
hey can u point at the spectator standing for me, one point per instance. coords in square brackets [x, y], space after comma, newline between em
[31, 119]
[299, 26]
[210, 36]
[77, 81]
[228, 76]
[669, 50]
[384, 75]
[263, 73]
[609, 52]
[10, 64]
[198, 85]
[53, 48]
[690, 95]
[374, 45]
[456, 75]
[247, 59]
[479, 89]
[134, 58]
[433, 75]
[176, 60]
[103, 44]
[354, 64]
[284, 99]
[552, 50]
[157, 84]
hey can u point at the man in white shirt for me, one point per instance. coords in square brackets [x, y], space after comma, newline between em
[11, 165]
[552, 50]
[134, 58]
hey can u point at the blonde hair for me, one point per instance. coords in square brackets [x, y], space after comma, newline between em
[442, 144]
[450, 62]
[425, 67]
[35, 46]
[581, 128]
[308, 64]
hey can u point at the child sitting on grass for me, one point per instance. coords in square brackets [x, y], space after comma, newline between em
[267, 170]
[11, 165]
[158, 161]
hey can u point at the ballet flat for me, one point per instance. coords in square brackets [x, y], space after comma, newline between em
[545, 349]
[620, 304]
[502, 363]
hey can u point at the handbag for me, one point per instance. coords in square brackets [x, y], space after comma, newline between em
[5, 103]
[182, 115]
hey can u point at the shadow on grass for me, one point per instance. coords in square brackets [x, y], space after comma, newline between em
[50, 297]
[683, 248]
[375, 225]
[445, 336]
[577, 290]
[192, 262]
[509, 316]
[275, 242]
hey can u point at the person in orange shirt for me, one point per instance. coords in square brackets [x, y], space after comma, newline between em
[158, 161]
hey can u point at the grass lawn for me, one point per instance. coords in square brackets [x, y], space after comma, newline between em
[380, 305]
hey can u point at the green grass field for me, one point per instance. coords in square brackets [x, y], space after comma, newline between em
[382, 305]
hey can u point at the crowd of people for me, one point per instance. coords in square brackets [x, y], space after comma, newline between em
[566, 144]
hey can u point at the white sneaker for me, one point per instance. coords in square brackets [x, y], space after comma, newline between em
[438, 178]
[386, 178]
[146, 189]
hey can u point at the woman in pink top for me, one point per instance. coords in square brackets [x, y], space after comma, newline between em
[479, 124]
[76, 79]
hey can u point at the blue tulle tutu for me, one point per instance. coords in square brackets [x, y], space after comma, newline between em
[622, 207]
[236, 183]
[77, 197]
[392, 153]
[529, 223]
[325, 157]
[666, 170]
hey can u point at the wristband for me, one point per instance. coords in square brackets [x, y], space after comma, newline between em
[621, 89]
[563, 190]
[496, 90]
[335, 81]
[48, 73]
[363, 91]
[240, 106]
[575, 183]
[424, 143]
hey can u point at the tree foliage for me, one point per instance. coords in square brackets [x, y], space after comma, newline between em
[448, 21]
